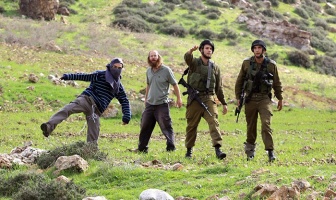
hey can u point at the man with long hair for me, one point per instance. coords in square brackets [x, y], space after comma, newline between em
[158, 78]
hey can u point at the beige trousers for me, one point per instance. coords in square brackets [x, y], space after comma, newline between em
[82, 104]
[194, 114]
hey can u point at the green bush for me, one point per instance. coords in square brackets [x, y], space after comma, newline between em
[214, 3]
[172, 1]
[330, 11]
[133, 23]
[175, 30]
[31, 186]
[83, 149]
[301, 12]
[324, 45]
[290, 1]
[275, 3]
[155, 19]
[322, 23]
[205, 33]
[331, 20]
[325, 65]
[211, 10]
[272, 14]
[227, 33]
[212, 16]
[299, 58]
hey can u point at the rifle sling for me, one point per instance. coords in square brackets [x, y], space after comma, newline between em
[210, 66]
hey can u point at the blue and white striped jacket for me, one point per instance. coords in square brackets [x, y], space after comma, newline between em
[101, 92]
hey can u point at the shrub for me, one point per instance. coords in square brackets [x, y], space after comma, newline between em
[318, 34]
[211, 10]
[330, 11]
[330, 54]
[175, 30]
[322, 23]
[275, 3]
[214, 3]
[331, 20]
[274, 56]
[2, 10]
[227, 34]
[212, 16]
[299, 58]
[83, 149]
[301, 12]
[290, 1]
[325, 65]
[324, 45]
[205, 33]
[155, 19]
[28, 186]
[172, 1]
[132, 23]
[192, 5]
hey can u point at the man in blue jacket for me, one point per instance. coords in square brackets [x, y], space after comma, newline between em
[104, 86]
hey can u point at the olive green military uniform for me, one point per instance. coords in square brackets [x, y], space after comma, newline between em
[197, 78]
[258, 94]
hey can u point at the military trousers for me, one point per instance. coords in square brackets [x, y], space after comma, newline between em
[194, 114]
[82, 104]
[151, 115]
[260, 104]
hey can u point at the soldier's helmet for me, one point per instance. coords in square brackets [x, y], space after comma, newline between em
[209, 42]
[258, 43]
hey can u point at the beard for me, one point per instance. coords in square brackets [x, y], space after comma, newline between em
[154, 63]
[205, 56]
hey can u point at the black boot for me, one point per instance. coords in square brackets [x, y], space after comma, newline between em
[271, 156]
[189, 153]
[220, 155]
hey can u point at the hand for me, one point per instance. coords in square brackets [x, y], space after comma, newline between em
[279, 105]
[194, 48]
[63, 78]
[225, 110]
[178, 102]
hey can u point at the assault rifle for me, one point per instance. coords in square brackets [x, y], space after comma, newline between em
[192, 94]
[241, 103]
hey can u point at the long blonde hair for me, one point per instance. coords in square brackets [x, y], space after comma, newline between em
[159, 61]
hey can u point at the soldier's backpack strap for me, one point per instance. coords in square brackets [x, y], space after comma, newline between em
[210, 67]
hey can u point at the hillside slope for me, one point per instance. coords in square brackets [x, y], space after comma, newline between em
[87, 42]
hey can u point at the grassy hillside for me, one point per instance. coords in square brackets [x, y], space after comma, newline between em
[304, 131]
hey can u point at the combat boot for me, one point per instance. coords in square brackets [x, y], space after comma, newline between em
[189, 153]
[271, 156]
[220, 155]
[249, 150]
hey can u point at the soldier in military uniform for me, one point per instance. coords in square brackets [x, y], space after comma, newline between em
[205, 77]
[257, 76]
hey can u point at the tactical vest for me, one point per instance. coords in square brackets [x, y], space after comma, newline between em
[259, 81]
[197, 79]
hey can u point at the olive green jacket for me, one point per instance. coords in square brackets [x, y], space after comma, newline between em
[196, 66]
[271, 68]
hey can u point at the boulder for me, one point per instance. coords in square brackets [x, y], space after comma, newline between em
[39, 9]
